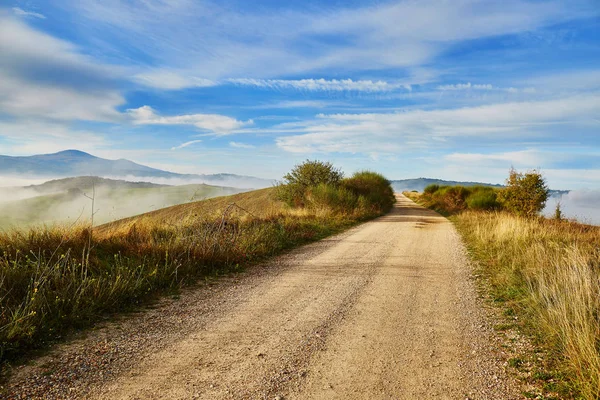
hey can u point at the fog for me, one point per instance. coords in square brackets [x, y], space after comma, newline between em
[21, 207]
[228, 181]
[582, 205]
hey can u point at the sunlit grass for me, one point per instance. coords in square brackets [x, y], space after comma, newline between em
[549, 271]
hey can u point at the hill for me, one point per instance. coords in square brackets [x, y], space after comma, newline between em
[258, 203]
[78, 163]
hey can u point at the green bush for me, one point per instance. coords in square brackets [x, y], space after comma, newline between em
[454, 199]
[430, 189]
[483, 200]
[374, 187]
[292, 190]
[317, 184]
[335, 198]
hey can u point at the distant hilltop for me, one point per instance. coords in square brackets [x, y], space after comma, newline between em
[70, 163]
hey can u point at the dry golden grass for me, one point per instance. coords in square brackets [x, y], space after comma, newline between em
[550, 272]
[258, 203]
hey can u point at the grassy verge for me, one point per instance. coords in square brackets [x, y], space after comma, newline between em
[547, 274]
[55, 279]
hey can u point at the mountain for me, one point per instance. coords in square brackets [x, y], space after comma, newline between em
[421, 183]
[78, 163]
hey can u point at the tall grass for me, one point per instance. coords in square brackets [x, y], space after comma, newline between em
[54, 279]
[549, 271]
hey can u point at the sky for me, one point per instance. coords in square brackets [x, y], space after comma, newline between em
[451, 89]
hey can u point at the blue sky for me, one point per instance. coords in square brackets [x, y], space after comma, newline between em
[458, 89]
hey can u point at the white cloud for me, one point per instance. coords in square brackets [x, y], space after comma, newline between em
[22, 13]
[321, 84]
[484, 86]
[34, 137]
[421, 129]
[466, 86]
[241, 145]
[215, 123]
[44, 77]
[521, 159]
[567, 81]
[171, 80]
[301, 104]
[27, 99]
[186, 144]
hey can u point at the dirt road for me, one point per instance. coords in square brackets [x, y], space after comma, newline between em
[386, 310]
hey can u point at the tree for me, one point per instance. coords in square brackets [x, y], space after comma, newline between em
[525, 193]
[306, 175]
[313, 173]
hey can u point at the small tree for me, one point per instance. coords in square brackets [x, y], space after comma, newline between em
[525, 193]
[313, 173]
[558, 214]
[306, 175]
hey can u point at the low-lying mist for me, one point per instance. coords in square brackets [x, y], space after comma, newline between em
[22, 207]
[582, 205]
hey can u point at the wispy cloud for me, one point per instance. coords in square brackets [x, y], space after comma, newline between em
[215, 123]
[466, 86]
[171, 80]
[425, 129]
[322, 84]
[186, 144]
[212, 41]
[40, 137]
[45, 77]
[484, 86]
[22, 13]
[240, 145]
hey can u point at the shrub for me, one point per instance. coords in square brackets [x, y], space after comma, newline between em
[375, 188]
[430, 189]
[454, 199]
[525, 193]
[483, 198]
[335, 198]
[292, 190]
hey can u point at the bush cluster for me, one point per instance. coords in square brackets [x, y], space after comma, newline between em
[453, 199]
[525, 194]
[320, 186]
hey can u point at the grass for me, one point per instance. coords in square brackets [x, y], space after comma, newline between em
[58, 278]
[548, 273]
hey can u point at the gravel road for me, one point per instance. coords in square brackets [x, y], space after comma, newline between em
[386, 310]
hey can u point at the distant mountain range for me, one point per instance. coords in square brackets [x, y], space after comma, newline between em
[421, 183]
[71, 163]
